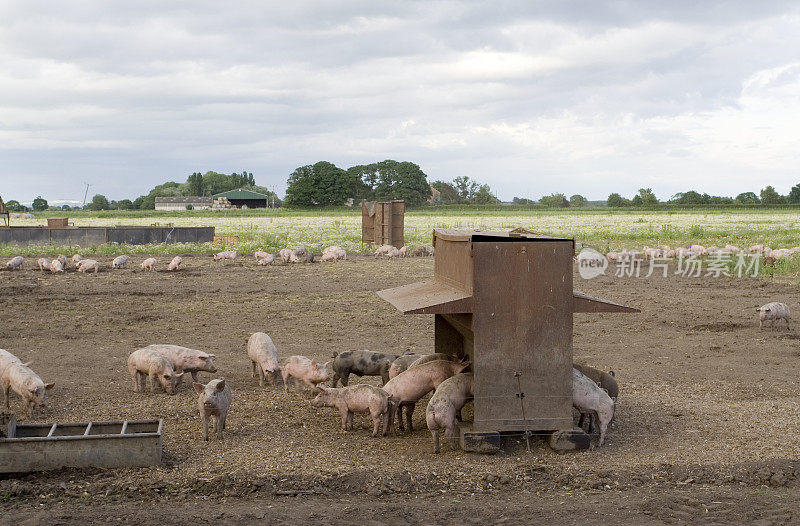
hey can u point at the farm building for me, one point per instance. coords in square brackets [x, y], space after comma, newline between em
[180, 203]
[240, 198]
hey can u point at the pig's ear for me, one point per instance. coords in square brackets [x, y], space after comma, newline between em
[27, 364]
[204, 358]
[49, 386]
[612, 373]
[212, 355]
[221, 385]
[313, 363]
[199, 387]
[180, 374]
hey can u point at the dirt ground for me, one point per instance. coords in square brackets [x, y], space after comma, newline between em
[705, 431]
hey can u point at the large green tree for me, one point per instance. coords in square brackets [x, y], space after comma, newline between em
[484, 196]
[615, 200]
[195, 184]
[99, 202]
[448, 195]
[794, 195]
[747, 198]
[39, 204]
[320, 184]
[647, 197]
[577, 201]
[402, 180]
[554, 201]
[15, 206]
[465, 187]
[771, 197]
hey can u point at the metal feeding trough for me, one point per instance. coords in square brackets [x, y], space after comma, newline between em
[114, 444]
[506, 300]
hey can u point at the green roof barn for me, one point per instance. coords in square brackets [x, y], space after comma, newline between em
[242, 198]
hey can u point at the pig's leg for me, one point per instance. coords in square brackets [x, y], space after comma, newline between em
[151, 378]
[385, 420]
[760, 324]
[409, 413]
[335, 379]
[285, 376]
[349, 420]
[254, 368]
[344, 413]
[219, 425]
[399, 416]
[376, 423]
[205, 426]
[194, 375]
[346, 378]
[135, 378]
[448, 432]
[385, 376]
[5, 394]
[435, 435]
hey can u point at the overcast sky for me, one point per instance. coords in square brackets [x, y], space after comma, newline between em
[529, 97]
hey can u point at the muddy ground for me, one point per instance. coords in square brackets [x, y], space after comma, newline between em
[706, 427]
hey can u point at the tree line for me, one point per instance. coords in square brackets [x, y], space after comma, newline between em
[767, 196]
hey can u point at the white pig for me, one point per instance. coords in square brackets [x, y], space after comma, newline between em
[444, 406]
[76, 258]
[148, 264]
[213, 399]
[185, 359]
[57, 266]
[306, 370]
[773, 312]
[63, 259]
[89, 264]
[175, 263]
[150, 364]
[16, 262]
[267, 260]
[361, 398]
[120, 262]
[17, 376]
[260, 254]
[44, 264]
[227, 254]
[588, 397]
[264, 357]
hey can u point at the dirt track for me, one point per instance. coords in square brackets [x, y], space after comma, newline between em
[707, 409]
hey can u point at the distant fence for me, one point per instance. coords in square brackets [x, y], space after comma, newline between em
[98, 235]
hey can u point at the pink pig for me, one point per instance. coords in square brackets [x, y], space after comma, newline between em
[306, 370]
[17, 376]
[149, 264]
[44, 264]
[264, 356]
[150, 364]
[57, 266]
[175, 263]
[185, 359]
[361, 398]
[445, 405]
[88, 264]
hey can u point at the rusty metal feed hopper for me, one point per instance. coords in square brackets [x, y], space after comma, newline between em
[383, 222]
[506, 300]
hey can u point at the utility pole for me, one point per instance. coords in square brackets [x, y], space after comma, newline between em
[86, 193]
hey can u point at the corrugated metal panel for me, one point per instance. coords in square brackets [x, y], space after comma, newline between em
[240, 193]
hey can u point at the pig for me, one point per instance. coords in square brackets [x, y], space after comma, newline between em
[186, 360]
[614, 256]
[89, 264]
[227, 254]
[266, 260]
[148, 264]
[260, 254]
[16, 262]
[44, 264]
[63, 259]
[333, 253]
[57, 266]
[756, 249]
[773, 311]
[213, 399]
[422, 251]
[385, 250]
[361, 398]
[287, 255]
[6, 358]
[306, 370]
[401, 364]
[433, 357]
[76, 259]
[302, 255]
[175, 263]
[408, 387]
[264, 357]
[445, 404]
[361, 363]
[588, 397]
[604, 380]
[122, 262]
[698, 250]
[19, 377]
[403, 251]
[153, 365]
[780, 253]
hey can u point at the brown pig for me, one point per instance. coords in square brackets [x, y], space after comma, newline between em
[361, 398]
[153, 365]
[445, 405]
[213, 399]
[264, 356]
[408, 387]
[306, 370]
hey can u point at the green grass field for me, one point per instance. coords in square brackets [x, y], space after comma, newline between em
[603, 229]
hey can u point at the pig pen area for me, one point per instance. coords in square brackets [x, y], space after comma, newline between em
[706, 423]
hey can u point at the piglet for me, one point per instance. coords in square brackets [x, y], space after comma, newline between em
[266, 260]
[588, 397]
[306, 370]
[286, 255]
[63, 259]
[361, 398]
[56, 266]
[227, 254]
[186, 359]
[120, 262]
[151, 364]
[260, 254]
[76, 258]
[773, 312]
[445, 405]
[264, 356]
[15, 263]
[88, 264]
[213, 399]
[175, 263]
[19, 377]
[409, 386]
[148, 264]
[44, 264]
